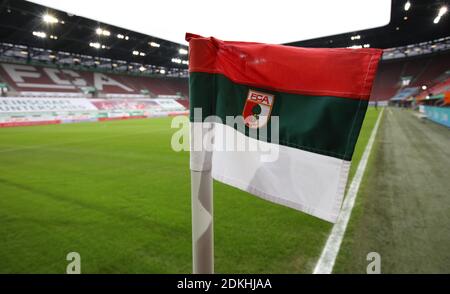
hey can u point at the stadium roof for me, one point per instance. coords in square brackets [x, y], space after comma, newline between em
[416, 22]
[26, 23]
[34, 25]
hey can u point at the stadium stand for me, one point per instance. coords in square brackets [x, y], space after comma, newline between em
[417, 71]
[41, 81]
[441, 90]
[118, 78]
[33, 80]
[395, 74]
[35, 95]
[184, 102]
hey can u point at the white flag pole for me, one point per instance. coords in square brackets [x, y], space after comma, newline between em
[202, 222]
[201, 200]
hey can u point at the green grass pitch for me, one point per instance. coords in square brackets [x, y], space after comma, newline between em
[116, 193]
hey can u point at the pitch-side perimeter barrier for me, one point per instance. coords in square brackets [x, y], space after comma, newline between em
[440, 115]
[20, 111]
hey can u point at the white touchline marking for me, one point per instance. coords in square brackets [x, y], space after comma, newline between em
[327, 259]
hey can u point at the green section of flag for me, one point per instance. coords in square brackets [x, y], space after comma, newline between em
[321, 124]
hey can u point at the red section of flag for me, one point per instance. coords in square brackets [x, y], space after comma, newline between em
[338, 72]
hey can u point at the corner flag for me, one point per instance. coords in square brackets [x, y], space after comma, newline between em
[317, 99]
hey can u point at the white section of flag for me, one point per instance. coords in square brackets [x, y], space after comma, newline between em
[305, 181]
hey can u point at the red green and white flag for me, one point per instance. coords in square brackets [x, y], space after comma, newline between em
[318, 99]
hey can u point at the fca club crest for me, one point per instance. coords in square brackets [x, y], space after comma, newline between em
[257, 109]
